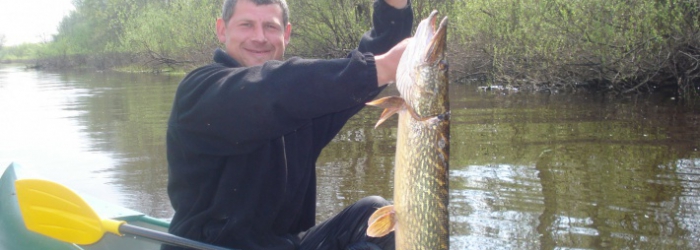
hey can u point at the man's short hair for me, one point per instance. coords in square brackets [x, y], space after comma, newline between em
[230, 5]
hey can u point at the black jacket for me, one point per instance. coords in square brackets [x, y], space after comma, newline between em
[242, 142]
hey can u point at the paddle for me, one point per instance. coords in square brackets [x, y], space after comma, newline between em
[54, 210]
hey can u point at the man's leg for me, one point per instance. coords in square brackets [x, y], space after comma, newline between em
[347, 228]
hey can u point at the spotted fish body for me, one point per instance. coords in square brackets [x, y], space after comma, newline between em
[419, 215]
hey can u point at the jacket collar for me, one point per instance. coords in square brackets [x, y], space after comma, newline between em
[220, 56]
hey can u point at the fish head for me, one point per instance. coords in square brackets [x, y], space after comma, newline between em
[422, 78]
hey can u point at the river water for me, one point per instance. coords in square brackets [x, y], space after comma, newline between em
[528, 171]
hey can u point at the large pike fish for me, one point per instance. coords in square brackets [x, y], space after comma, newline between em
[419, 215]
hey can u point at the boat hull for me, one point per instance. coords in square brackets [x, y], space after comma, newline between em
[14, 235]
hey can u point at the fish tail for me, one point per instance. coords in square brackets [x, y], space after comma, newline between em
[382, 222]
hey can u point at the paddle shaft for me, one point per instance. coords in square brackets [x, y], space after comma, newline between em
[166, 238]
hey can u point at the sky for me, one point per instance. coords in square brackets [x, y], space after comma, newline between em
[31, 21]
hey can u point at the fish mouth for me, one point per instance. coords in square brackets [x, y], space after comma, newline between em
[438, 43]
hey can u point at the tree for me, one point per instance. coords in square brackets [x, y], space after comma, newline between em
[2, 41]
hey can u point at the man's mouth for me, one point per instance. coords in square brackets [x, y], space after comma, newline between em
[258, 51]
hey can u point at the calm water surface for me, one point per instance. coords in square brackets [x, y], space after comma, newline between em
[527, 171]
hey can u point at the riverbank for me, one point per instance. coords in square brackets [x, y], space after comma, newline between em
[602, 46]
[663, 82]
[120, 62]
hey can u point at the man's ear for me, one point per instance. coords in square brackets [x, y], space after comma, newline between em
[287, 33]
[221, 30]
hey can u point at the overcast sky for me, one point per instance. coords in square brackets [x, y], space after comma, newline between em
[31, 21]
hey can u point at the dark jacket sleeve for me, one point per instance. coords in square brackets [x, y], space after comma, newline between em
[220, 110]
[390, 26]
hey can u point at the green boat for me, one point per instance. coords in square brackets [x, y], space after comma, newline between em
[14, 234]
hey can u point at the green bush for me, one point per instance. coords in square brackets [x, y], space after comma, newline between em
[182, 31]
[611, 45]
[563, 44]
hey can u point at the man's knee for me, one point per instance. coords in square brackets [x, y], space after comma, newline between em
[373, 202]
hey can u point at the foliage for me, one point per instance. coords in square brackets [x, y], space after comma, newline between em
[331, 28]
[2, 41]
[174, 32]
[327, 28]
[618, 45]
[24, 51]
[540, 44]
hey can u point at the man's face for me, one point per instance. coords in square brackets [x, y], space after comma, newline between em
[254, 34]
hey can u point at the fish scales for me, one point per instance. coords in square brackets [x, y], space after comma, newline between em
[419, 215]
[420, 191]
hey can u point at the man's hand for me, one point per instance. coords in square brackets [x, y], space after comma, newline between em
[388, 62]
[399, 4]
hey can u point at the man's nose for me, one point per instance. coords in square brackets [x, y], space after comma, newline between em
[259, 34]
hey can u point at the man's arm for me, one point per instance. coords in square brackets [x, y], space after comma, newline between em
[233, 110]
[387, 63]
[390, 26]
[392, 23]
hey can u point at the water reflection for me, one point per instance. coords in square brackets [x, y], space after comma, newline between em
[38, 129]
[527, 171]
[97, 132]
[570, 172]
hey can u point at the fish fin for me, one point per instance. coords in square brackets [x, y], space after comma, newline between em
[382, 222]
[391, 105]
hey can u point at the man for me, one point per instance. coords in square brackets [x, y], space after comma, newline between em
[245, 132]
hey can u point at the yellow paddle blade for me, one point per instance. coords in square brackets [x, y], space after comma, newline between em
[54, 210]
[382, 222]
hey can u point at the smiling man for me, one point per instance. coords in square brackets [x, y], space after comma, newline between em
[245, 131]
[256, 33]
